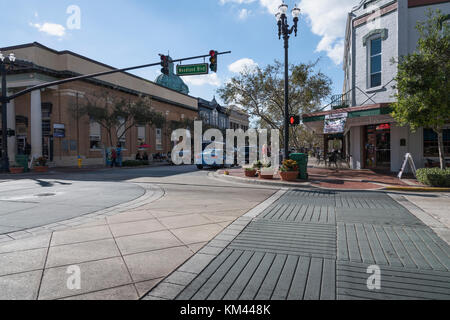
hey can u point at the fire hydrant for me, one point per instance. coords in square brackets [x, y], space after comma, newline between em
[80, 162]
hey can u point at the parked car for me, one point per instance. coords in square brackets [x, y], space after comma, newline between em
[211, 157]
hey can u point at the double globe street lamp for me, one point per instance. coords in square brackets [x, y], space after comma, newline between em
[285, 30]
[6, 62]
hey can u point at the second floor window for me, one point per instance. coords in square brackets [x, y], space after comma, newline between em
[375, 63]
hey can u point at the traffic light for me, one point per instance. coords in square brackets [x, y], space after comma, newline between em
[164, 64]
[294, 120]
[213, 60]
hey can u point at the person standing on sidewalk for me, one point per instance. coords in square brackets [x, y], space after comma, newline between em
[113, 158]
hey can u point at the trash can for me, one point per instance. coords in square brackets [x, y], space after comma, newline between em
[22, 161]
[302, 161]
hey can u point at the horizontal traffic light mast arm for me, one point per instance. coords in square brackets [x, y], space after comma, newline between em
[99, 74]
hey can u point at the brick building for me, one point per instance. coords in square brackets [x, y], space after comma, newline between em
[44, 119]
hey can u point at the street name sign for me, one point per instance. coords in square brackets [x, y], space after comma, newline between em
[192, 69]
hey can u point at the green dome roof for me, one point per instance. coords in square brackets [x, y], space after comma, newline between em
[172, 81]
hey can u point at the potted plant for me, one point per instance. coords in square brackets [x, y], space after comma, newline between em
[40, 165]
[250, 172]
[266, 171]
[15, 169]
[289, 170]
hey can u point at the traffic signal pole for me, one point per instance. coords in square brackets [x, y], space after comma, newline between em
[5, 159]
[5, 99]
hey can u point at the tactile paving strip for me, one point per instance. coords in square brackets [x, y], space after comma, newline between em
[248, 275]
[393, 245]
[309, 239]
[395, 283]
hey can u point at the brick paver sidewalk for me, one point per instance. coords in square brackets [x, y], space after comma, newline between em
[319, 245]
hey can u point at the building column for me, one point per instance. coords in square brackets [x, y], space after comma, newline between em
[36, 124]
[11, 120]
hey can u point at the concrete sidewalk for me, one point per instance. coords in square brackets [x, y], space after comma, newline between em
[315, 244]
[121, 254]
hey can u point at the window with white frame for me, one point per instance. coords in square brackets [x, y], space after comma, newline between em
[141, 134]
[121, 133]
[375, 54]
[95, 135]
[158, 142]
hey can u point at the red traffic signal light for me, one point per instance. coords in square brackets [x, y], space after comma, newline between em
[294, 120]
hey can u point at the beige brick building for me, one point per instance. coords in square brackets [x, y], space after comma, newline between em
[44, 119]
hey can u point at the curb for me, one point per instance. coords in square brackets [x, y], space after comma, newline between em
[180, 278]
[417, 189]
[151, 194]
[264, 182]
[306, 185]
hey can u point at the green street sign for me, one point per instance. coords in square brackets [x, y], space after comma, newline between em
[192, 69]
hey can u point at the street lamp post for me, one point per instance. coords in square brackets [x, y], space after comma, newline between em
[285, 30]
[4, 61]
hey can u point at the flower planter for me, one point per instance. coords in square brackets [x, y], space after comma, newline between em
[40, 169]
[16, 170]
[250, 173]
[289, 175]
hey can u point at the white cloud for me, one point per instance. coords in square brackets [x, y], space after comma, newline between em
[236, 1]
[241, 65]
[211, 79]
[327, 19]
[52, 29]
[270, 5]
[244, 13]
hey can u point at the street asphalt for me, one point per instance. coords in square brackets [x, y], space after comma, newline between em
[39, 200]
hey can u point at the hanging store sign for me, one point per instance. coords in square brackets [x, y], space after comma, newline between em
[59, 130]
[335, 123]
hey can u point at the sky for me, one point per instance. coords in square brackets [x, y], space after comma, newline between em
[133, 32]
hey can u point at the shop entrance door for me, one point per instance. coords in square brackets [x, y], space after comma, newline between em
[377, 146]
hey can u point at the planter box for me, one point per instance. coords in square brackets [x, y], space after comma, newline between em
[16, 170]
[289, 175]
[266, 176]
[250, 174]
[40, 169]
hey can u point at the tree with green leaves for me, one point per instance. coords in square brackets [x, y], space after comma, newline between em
[423, 80]
[118, 115]
[260, 92]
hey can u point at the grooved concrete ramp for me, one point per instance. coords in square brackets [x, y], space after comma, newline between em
[320, 245]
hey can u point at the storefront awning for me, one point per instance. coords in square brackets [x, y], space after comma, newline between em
[357, 116]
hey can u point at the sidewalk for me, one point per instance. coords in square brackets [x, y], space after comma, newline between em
[121, 254]
[324, 178]
[315, 244]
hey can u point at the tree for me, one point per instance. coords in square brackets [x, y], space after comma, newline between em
[423, 80]
[119, 115]
[260, 92]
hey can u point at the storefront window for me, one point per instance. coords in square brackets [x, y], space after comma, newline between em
[95, 135]
[430, 143]
[159, 145]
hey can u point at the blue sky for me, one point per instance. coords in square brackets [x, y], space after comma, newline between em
[126, 33]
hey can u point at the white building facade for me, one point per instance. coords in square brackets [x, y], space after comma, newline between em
[377, 33]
